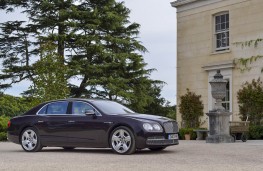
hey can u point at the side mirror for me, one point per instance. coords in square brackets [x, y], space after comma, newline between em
[89, 112]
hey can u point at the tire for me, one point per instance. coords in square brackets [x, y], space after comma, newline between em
[69, 148]
[29, 140]
[122, 140]
[234, 136]
[244, 137]
[157, 148]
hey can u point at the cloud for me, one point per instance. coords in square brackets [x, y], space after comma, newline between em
[158, 34]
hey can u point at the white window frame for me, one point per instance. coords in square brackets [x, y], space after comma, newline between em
[227, 101]
[220, 32]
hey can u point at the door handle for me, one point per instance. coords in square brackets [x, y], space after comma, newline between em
[71, 121]
[40, 121]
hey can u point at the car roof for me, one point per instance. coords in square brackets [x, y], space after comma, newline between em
[77, 99]
[83, 99]
[36, 108]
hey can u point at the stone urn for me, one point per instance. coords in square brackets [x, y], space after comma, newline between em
[218, 117]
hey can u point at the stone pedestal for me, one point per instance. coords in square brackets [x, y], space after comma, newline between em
[219, 127]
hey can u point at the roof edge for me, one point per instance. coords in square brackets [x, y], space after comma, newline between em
[181, 2]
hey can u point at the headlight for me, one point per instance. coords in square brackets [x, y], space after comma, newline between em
[152, 127]
[148, 127]
[157, 127]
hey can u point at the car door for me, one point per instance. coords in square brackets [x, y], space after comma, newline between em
[53, 121]
[87, 130]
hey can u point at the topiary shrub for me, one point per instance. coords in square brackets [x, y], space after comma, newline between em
[3, 136]
[191, 109]
[256, 131]
[250, 101]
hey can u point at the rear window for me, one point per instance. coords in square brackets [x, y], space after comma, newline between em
[54, 108]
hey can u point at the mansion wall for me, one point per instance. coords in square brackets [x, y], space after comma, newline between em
[197, 57]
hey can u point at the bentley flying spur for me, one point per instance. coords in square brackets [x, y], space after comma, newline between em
[92, 123]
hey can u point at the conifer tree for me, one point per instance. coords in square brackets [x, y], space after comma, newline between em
[95, 39]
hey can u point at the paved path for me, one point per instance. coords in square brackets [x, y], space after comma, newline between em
[187, 156]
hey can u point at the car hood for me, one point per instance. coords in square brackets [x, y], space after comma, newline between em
[147, 117]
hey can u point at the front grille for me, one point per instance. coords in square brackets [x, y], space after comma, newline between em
[170, 127]
[161, 142]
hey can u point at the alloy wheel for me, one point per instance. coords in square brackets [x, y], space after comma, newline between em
[30, 141]
[122, 141]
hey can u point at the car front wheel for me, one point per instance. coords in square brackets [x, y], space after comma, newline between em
[122, 140]
[30, 140]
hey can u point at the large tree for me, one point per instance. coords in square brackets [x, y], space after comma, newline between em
[95, 39]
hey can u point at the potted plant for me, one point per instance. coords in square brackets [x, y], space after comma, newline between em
[187, 136]
[186, 133]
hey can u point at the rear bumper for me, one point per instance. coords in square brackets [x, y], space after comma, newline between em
[13, 138]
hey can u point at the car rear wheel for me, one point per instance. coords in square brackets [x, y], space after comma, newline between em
[122, 140]
[30, 141]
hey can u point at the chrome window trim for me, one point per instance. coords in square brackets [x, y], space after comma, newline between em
[50, 114]
[70, 114]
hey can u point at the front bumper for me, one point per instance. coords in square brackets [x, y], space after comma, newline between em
[149, 140]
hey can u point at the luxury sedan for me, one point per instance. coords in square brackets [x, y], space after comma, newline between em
[72, 123]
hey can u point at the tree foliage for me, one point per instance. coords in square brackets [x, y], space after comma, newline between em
[250, 100]
[3, 127]
[159, 105]
[191, 109]
[50, 81]
[13, 106]
[95, 41]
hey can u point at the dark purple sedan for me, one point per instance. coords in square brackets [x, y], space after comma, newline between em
[72, 123]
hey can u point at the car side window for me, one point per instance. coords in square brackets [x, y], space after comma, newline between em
[43, 110]
[57, 108]
[80, 108]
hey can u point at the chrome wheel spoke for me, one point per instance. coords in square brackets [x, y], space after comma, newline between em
[33, 134]
[26, 135]
[34, 141]
[25, 142]
[125, 147]
[30, 147]
[115, 138]
[118, 146]
[122, 133]
[127, 139]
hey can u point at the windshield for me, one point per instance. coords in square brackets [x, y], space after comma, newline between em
[110, 107]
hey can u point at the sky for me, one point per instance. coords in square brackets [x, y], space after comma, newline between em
[157, 33]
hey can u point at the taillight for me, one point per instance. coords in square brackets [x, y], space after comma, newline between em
[9, 124]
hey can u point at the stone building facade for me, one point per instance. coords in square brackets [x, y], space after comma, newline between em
[207, 31]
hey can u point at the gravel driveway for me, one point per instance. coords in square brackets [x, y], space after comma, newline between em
[187, 156]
